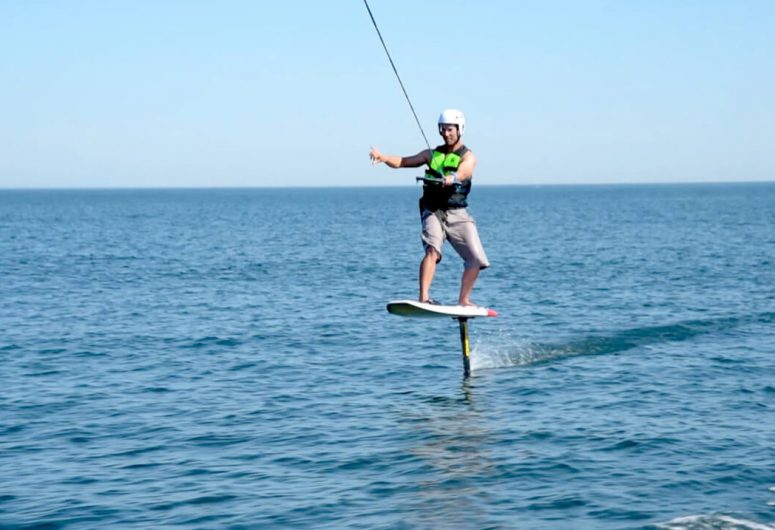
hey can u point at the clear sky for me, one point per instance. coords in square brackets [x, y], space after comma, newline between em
[136, 93]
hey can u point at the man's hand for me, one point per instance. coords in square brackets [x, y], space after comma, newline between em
[451, 180]
[375, 156]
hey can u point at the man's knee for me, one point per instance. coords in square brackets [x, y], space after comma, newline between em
[476, 264]
[432, 253]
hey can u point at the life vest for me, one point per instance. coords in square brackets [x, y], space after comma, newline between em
[438, 197]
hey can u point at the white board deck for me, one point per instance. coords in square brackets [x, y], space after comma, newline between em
[413, 308]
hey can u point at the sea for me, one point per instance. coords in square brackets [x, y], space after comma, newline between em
[222, 358]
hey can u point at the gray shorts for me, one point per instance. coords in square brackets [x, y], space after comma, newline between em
[459, 227]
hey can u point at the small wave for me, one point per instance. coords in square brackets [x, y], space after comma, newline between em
[210, 341]
[713, 522]
[202, 499]
[559, 503]
[157, 389]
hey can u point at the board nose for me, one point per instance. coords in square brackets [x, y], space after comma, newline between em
[492, 313]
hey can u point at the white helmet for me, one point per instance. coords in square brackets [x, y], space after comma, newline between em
[453, 117]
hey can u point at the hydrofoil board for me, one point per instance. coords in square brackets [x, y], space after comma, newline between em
[413, 308]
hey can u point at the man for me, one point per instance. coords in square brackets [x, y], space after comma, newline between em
[443, 204]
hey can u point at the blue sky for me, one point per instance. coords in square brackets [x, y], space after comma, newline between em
[249, 93]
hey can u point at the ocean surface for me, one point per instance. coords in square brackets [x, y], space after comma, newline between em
[223, 359]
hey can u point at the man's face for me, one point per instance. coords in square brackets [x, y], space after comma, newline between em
[449, 133]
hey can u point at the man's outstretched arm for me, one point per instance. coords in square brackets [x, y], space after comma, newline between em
[398, 161]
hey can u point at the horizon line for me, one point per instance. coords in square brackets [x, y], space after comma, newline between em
[355, 186]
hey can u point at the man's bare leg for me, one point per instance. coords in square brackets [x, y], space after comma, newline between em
[467, 285]
[427, 270]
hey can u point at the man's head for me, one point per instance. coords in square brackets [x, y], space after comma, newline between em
[452, 124]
